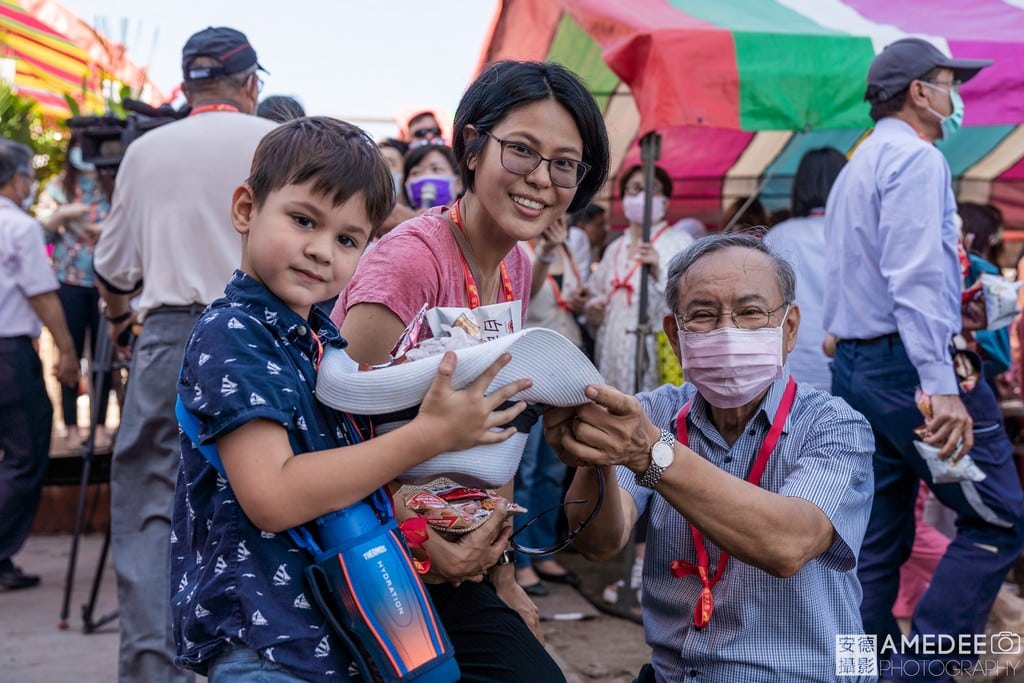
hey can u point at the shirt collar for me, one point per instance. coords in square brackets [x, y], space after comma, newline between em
[286, 323]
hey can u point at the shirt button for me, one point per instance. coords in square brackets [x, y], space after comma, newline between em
[301, 330]
[693, 673]
[727, 458]
[752, 432]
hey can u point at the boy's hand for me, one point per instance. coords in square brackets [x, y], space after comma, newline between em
[455, 420]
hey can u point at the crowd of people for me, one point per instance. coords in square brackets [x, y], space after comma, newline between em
[770, 442]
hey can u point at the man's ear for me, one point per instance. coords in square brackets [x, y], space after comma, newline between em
[242, 208]
[470, 133]
[668, 324]
[790, 327]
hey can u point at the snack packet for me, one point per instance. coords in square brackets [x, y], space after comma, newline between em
[952, 469]
[453, 508]
[484, 322]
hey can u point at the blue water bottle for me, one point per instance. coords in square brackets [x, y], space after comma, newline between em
[386, 609]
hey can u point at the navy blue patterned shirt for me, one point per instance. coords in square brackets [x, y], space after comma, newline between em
[250, 357]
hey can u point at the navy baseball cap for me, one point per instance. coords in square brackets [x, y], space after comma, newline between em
[226, 45]
[909, 59]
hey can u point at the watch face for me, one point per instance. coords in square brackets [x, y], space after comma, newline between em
[662, 454]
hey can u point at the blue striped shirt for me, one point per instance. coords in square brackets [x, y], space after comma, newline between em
[763, 628]
[891, 250]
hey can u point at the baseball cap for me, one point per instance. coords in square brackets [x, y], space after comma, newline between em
[229, 47]
[909, 59]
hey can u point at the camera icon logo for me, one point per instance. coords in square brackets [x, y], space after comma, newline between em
[1004, 642]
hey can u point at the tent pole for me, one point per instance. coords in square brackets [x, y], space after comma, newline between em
[650, 151]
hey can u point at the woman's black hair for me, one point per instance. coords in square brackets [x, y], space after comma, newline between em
[814, 177]
[586, 214]
[417, 154]
[507, 85]
[660, 174]
[395, 144]
[984, 223]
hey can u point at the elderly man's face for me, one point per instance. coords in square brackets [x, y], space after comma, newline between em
[735, 280]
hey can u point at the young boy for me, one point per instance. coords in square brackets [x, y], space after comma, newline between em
[317, 193]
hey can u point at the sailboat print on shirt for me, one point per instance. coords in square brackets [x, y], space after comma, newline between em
[227, 387]
[243, 552]
[281, 576]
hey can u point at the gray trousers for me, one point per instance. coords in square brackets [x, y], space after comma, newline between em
[142, 478]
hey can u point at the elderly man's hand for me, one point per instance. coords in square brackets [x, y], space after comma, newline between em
[613, 430]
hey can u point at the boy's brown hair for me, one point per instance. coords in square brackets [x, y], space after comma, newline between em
[340, 159]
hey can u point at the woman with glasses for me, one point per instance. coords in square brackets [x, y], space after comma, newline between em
[530, 145]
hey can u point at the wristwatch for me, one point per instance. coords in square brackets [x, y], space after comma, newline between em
[662, 454]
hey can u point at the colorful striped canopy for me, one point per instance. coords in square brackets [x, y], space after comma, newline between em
[739, 90]
[47, 64]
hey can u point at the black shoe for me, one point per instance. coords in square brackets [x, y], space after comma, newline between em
[568, 577]
[536, 590]
[14, 579]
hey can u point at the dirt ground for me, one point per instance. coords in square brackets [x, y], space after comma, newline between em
[602, 648]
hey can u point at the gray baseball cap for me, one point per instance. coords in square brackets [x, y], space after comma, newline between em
[909, 59]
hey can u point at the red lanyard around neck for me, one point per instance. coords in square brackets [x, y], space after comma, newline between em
[472, 291]
[626, 283]
[680, 568]
[218, 106]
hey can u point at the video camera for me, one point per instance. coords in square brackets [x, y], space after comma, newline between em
[104, 139]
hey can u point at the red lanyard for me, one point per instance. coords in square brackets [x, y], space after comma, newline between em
[559, 299]
[626, 282]
[680, 568]
[219, 106]
[472, 292]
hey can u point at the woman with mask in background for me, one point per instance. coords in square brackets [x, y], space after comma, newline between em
[430, 178]
[71, 209]
[614, 303]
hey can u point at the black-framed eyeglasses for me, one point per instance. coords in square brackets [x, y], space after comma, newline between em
[744, 317]
[426, 132]
[522, 159]
[572, 533]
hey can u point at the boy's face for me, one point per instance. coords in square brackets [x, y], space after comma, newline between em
[300, 245]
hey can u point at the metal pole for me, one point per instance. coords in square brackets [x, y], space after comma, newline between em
[650, 152]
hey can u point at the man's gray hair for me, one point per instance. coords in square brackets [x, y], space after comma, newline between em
[14, 157]
[709, 244]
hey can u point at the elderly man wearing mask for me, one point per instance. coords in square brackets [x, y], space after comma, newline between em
[759, 490]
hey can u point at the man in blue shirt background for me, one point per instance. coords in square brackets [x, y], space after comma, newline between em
[894, 304]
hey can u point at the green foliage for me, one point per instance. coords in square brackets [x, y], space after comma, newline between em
[21, 121]
[17, 114]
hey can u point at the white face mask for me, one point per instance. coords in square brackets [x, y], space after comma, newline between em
[731, 366]
[633, 207]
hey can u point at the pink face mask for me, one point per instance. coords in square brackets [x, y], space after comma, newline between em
[731, 366]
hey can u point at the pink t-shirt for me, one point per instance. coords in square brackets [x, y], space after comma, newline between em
[419, 262]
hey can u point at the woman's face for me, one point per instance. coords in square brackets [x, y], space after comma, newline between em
[433, 164]
[522, 206]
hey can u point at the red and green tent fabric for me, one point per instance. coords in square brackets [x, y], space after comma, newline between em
[46, 64]
[739, 90]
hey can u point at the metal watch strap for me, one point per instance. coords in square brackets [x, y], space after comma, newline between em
[654, 471]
